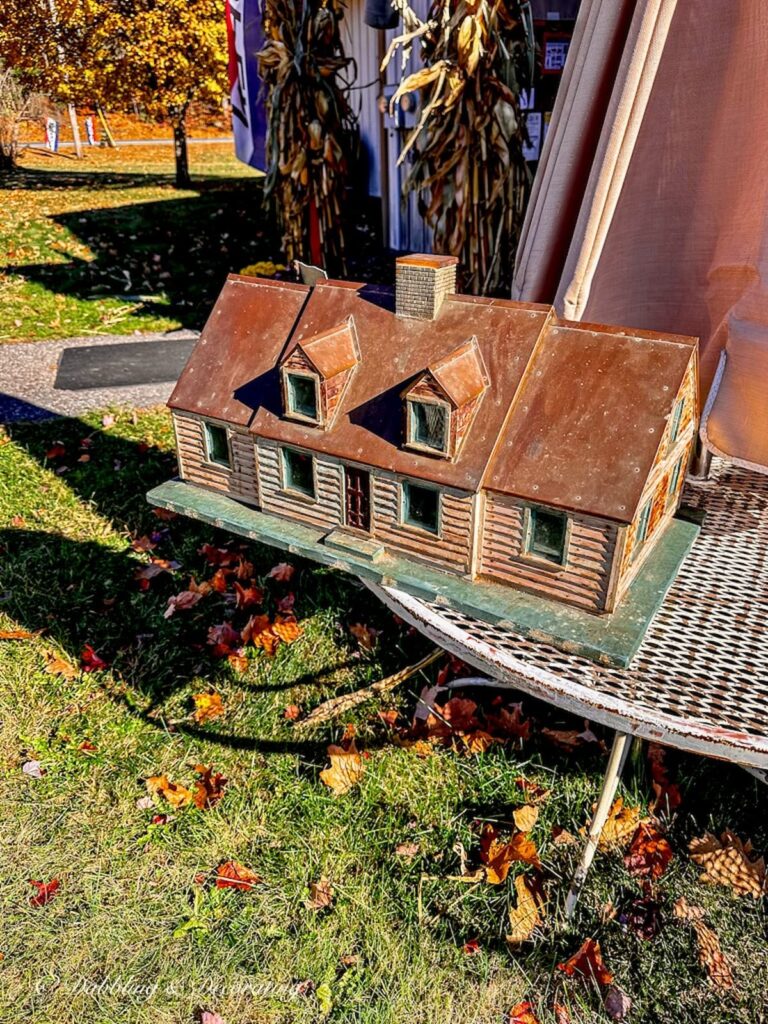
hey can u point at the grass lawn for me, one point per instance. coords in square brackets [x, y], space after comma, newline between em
[108, 245]
[137, 932]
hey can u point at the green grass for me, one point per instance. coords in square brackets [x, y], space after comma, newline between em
[131, 937]
[108, 245]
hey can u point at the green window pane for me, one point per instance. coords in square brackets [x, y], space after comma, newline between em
[677, 415]
[299, 473]
[216, 443]
[302, 396]
[421, 507]
[642, 526]
[429, 425]
[675, 479]
[547, 536]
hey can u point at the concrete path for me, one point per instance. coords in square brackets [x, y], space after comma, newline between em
[30, 372]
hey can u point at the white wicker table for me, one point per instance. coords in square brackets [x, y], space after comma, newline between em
[700, 679]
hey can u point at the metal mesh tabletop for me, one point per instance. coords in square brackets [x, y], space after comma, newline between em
[700, 679]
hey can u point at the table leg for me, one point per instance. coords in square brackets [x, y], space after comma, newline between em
[616, 760]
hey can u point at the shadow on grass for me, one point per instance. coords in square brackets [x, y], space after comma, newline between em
[170, 256]
[82, 591]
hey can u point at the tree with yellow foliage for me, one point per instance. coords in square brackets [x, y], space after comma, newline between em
[163, 53]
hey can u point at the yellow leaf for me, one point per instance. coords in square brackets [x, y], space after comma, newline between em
[346, 769]
[175, 794]
[525, 817]
[528, 914]
[729, 861]
[207, 707]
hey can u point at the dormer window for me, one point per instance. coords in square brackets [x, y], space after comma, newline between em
[429, 425]
[316, 373]
[441, 403]
[303, 396]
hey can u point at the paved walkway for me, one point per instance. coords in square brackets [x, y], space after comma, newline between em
[32, 374]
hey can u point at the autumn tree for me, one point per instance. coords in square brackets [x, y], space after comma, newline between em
[165, 53]
[17, 104]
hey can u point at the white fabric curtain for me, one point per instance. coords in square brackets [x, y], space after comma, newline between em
[650, 207]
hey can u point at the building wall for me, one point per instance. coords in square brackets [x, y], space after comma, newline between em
[657, 489]
[451, 550]
[325, 513]
[584, 580]
[240, 481]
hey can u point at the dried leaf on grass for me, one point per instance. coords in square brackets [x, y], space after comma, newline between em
[711, 955]
[525, 817]
[617, 1003]
[731, 862]
[173, 792]
[320, 895]
[234, 875]
[17, 634]
[499, 856]
[346, 769]
[57, 666]
[207, 707]
[667, 795]
[529, 912]
[535, 793]
[522, 1013]
[587, 962]
[649, 853]
[621, 824]
[45, 892]
[209, 788]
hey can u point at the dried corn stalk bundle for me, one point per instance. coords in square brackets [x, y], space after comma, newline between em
[467, 147]
[311, 130]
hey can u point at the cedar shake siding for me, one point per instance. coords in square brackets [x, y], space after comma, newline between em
[239, 481]
[584, 580]
[323, 512]
[450, 549]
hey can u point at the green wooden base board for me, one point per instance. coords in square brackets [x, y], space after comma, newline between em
[608, 639]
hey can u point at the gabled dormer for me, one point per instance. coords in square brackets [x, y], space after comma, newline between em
[315, 373]
[441, 403]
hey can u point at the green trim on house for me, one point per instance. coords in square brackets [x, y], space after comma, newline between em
[608, 639]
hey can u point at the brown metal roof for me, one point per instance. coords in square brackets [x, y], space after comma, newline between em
[431, 260]
[334, 350]
[393, 352]
[585, 428]
[461, 373]
[572, 414]
[247, 328]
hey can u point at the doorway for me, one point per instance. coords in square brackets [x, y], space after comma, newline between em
[357, 497]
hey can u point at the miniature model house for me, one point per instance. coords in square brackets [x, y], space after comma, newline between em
[484, 437]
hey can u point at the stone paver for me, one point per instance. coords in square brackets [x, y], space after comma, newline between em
[28, 373]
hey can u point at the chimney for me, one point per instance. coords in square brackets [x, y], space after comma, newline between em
[421, 283]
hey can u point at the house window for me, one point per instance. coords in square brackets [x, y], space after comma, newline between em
[674, 480]
[217, 445]
[301, 392]
[298, 472]
[428, 425]
[642, 526]
[677, 415]
[547, 533]
[421, 507]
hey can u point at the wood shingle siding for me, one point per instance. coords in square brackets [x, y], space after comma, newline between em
[582, 581]
[324, 513]
[239, 480]
[451, 549]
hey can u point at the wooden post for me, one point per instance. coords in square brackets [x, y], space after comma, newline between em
[75, 130]
[618, 755]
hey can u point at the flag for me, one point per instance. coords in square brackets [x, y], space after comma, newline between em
[249, 120]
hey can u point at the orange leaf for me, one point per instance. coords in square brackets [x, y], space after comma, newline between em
[587, 962]
[17, 634]
[184, 601]
[620, 825]
[45, 892]
[729, 861]
[56, 666]
[522, 1013]
[711, 955]
[282, 572]
[286, 628]
[207, 707]
[234, 875]
[498, 856]
[175, 794]
[528, 914]
[248, 597]
[366, 636]
[239, 662]
[649, 853]
[209, 788]
[533, 791]
[258, 630]
[292, 712]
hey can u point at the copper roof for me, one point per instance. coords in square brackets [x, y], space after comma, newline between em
[334, 350]
[571, 415]
[585, 428]
[431, 260]
[461, 373]
[247, 327]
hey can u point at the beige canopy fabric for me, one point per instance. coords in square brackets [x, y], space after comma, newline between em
[651, 202]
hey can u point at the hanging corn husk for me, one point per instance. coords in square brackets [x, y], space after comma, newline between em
[311, 130]
[466, 152]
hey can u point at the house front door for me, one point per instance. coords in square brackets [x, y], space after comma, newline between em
[358, 498]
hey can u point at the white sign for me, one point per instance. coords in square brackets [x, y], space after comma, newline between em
[89, 133]
[555, 53]
[52, 134]
[527, 98]
[533, 124]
